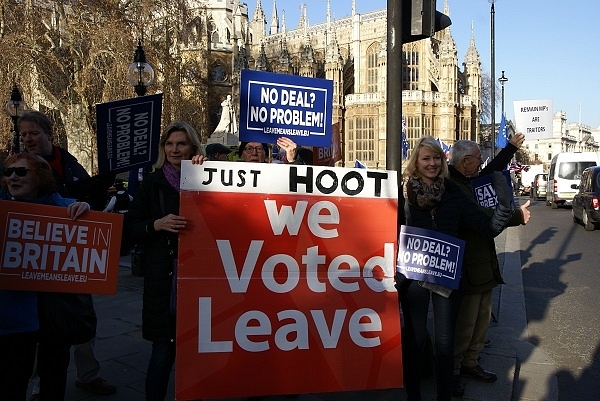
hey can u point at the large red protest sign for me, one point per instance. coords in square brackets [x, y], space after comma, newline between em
[285, 281]
[42, 249]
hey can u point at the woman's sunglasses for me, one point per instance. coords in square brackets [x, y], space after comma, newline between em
[19, 171]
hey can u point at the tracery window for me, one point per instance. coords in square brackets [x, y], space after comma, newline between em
[372, 67]
[410, 67]
[361, 139]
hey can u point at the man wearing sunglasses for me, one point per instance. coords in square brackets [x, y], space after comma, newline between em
[72, 181]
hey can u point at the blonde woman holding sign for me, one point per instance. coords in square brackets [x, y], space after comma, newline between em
[430, 201]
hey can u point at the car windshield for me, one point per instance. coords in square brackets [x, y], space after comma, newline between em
[573, 170]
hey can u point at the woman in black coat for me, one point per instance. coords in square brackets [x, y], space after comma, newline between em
[154, 222]
[430, 201]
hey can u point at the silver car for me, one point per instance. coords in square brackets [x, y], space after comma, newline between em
[538, 186]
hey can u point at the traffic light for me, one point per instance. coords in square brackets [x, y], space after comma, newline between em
[421, 20]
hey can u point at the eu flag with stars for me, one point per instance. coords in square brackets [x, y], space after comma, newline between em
[502, 137]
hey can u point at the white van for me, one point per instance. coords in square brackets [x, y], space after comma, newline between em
[565, 170]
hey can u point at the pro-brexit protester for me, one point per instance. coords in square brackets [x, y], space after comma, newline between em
[480, 270]
[256, 152]
[28, 178]
[72, 180]
[430, 201]
[154, 222]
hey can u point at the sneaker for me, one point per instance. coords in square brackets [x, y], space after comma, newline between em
[458, 389]
[478, 373]
[97, 386]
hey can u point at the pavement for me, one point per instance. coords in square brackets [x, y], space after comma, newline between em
[524, 371]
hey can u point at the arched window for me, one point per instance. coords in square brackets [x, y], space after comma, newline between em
[410, 76]
[212, 31]
[372, 67]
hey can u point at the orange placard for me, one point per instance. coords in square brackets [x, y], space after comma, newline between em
[285, 293]
[42, 249]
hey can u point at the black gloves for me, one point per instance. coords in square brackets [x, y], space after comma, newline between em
[402, 282]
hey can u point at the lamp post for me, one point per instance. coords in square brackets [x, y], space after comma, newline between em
[139, 73]
[502, 81]
[13, 108]
[493, 76]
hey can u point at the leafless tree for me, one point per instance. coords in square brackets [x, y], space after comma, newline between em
[69, 56]
[486, 98]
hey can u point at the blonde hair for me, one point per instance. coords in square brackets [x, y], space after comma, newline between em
[430, 144]
[192, 137]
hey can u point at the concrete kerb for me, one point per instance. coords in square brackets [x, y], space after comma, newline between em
[534, 377]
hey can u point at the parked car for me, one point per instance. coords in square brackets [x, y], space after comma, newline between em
[565, 170]
[586, 207]
[538, 186]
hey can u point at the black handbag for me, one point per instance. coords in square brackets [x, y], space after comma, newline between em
[66, 318]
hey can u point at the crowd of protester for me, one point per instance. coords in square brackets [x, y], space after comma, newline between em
[434, 194]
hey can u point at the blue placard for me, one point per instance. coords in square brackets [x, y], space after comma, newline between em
[275, 105]
[128, 133]
[431, 256]
[484, 192]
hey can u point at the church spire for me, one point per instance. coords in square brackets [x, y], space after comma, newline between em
[303, 21]
[259, 13]
[274, 20]
[472, 55]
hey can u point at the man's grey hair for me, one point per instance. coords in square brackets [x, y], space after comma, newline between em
[460, 149]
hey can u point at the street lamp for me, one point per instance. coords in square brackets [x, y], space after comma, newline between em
[14, 107]
[502, 81]
[493, 76]
[139, 73]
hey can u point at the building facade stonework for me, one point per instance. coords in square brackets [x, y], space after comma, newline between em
[439, 98]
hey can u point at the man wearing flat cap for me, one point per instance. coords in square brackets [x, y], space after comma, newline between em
[216, 151]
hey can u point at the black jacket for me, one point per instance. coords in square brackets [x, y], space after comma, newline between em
[480, 270]
[455, 210]
[76, 183]
[160, 251]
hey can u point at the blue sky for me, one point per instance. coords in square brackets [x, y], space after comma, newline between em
[547, 49]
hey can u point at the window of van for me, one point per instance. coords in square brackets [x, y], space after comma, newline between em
[573, 170]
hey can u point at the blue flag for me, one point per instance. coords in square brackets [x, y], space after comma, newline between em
[502, 137]
[405, 144]
[358, 164]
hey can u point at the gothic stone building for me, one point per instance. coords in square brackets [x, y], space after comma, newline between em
[438, 97]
